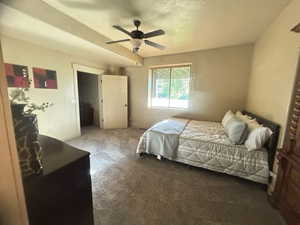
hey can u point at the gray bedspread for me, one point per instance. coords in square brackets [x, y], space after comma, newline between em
[163, 138]
[204, 144]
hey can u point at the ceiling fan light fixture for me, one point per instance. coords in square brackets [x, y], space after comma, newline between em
[136, 44]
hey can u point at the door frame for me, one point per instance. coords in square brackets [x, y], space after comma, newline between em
[13, 206]
[87, 69]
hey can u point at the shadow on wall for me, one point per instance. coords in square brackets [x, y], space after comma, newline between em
[112, 70]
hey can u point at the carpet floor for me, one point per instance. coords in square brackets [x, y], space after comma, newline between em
[128, 190]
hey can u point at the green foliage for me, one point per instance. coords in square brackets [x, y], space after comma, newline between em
[32, 107]
[19, 96]
[171, 82]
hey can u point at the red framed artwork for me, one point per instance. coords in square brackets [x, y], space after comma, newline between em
[44, 78]
[16, 75]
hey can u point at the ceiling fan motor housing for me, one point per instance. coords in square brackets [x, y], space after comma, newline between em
[137, 34]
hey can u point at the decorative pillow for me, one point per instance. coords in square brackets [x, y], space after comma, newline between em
[257, 138]
[252, 123]
[236, 130]
[243, 117]
[227, 117]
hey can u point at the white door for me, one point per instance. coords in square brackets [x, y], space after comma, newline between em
[115, 103]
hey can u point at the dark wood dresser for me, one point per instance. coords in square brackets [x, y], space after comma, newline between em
[287, 192]
[62, 195]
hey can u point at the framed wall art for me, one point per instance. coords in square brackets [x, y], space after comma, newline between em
[44, 78]
[16, 75]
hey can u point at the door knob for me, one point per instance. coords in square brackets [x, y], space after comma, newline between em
[125, 105]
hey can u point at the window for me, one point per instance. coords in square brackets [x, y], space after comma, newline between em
[170, 87]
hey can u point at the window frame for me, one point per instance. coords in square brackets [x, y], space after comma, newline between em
[151, 85]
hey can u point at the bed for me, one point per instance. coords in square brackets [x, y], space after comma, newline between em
[204, 144]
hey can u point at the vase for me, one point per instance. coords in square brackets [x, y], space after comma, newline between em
[17, 110]
[28, 146]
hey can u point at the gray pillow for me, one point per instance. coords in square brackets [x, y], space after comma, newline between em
[236, 130]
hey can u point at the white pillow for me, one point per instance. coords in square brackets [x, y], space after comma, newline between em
[243, 117]
[257, 138]
[227, 117]
[252, 123]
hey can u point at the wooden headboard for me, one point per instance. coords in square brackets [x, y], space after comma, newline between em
[271, 145]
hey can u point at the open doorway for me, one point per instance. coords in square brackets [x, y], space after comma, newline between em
[88, 96]
[89, 99]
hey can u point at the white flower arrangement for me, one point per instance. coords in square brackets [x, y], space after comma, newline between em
[19, 96]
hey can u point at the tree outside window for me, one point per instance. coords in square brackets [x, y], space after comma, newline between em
[170, 87]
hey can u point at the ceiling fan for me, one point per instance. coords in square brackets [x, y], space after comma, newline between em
[137, 37]
[296, 28]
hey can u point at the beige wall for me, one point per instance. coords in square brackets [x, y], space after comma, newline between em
[60, 120]
[219, 82]
[275, 60]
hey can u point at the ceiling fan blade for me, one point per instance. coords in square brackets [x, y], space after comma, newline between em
[296, 28]
[112, 42]
[154, 33]
[122, 29]
[155, 45]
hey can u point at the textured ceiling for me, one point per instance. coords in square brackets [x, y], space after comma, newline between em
[189, 24]
[18, 25]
